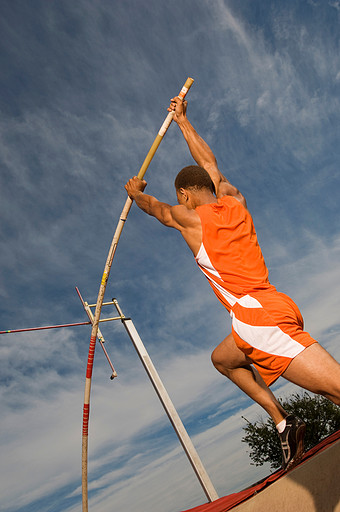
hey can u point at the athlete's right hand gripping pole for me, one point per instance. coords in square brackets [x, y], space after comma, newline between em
[95, 324]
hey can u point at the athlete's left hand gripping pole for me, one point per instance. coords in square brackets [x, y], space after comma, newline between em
[123, 217]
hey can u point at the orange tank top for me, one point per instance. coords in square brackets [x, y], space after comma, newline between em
[230, 255]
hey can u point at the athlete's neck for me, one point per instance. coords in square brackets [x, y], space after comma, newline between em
[192, 198]
[203, 196]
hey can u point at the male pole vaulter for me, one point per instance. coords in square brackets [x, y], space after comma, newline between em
[267, 339]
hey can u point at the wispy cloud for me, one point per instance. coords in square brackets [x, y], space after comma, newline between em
[84, 91]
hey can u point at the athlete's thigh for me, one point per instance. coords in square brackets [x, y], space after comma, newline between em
[314, 369]
[229, 355]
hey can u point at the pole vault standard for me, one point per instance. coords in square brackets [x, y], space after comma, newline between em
[170, 410]
[100, 298]
[151, 371]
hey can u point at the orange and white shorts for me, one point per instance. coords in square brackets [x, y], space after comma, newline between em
[268, 327]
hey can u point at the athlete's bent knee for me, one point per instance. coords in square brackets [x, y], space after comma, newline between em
[220, 362]
[215, 359]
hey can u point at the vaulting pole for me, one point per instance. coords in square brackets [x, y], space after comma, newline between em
[106, 273]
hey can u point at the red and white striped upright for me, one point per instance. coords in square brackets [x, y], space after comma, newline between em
[123, 217]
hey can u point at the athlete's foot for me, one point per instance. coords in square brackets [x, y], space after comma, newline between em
[292, 442]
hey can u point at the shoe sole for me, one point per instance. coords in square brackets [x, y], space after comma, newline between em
[300, 434]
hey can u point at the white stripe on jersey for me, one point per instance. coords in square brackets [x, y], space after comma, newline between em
[204, 263]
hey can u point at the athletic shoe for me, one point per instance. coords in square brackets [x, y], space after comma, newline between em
[292, 442]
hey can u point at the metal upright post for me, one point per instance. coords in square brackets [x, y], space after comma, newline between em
[170, 410]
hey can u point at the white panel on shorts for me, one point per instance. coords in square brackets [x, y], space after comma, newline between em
[270, 339]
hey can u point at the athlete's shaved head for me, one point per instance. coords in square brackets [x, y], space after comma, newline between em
[194, 176]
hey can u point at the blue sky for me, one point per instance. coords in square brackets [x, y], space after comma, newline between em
[84, 89]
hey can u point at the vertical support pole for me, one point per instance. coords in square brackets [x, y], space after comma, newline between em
[170, 410]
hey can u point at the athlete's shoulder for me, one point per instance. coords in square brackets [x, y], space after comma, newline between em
[184, 216]
[227, 200]
[226, 189]
[230, 200]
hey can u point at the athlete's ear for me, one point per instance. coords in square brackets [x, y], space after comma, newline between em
[184, 193]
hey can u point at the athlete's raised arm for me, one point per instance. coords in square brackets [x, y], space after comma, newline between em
[201, 152]
[178, 216]
[149, 204]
